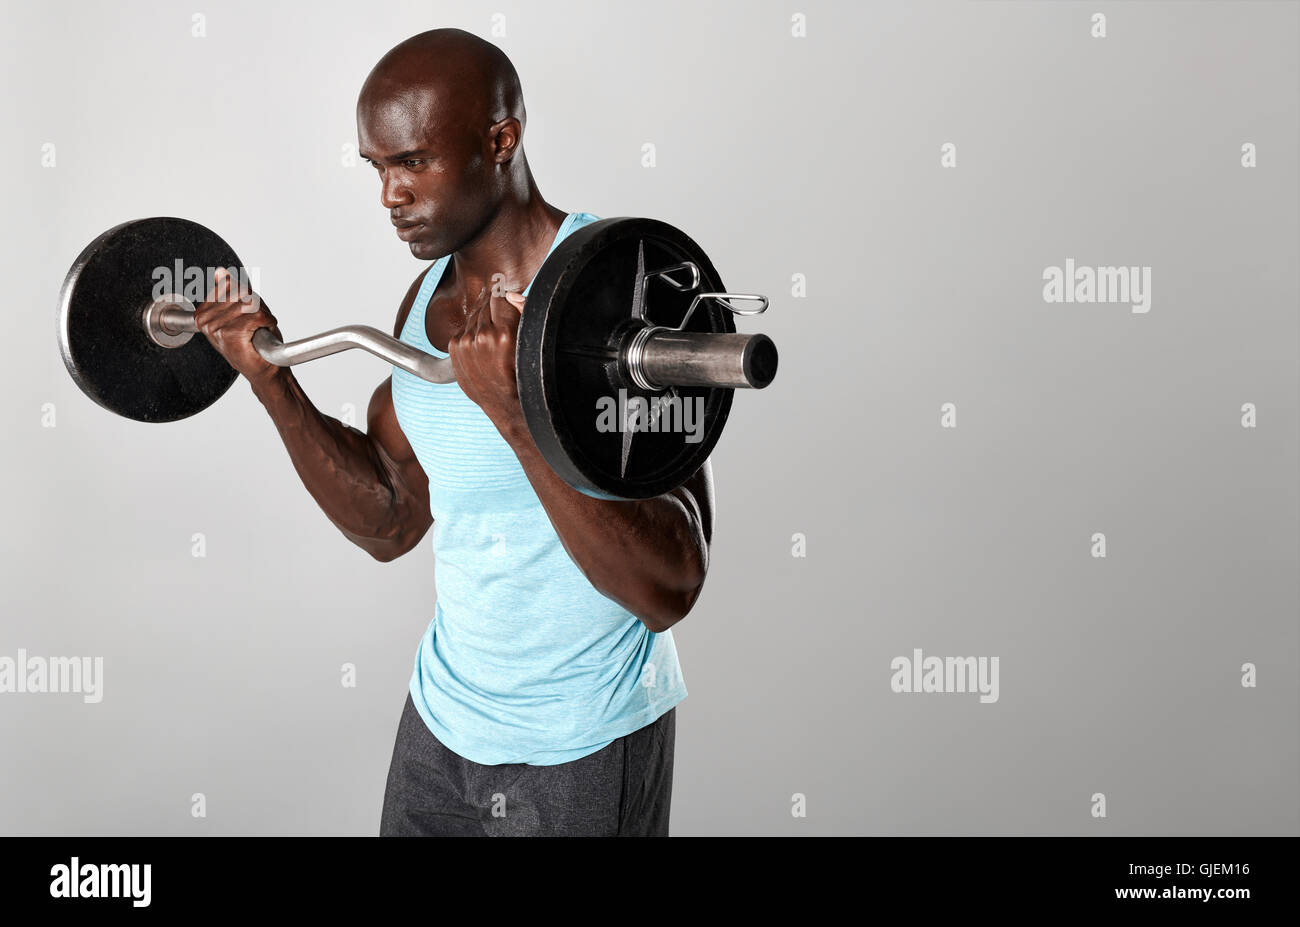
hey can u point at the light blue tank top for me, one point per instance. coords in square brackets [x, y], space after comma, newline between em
[524, 661]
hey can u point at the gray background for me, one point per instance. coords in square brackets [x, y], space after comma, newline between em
[780, 155]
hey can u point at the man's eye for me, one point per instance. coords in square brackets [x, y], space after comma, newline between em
[412, 163]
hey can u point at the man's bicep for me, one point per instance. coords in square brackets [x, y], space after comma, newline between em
[698, 489]
[406, 475]
[381, 419]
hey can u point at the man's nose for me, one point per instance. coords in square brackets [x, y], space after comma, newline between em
[392, 194]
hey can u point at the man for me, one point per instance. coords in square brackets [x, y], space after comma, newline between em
[544, 692]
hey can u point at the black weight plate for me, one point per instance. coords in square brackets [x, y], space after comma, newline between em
[578, 308]
[101, 329]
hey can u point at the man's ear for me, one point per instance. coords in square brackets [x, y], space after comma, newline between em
[505, 137]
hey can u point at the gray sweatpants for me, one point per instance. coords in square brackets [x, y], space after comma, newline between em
[623, 789]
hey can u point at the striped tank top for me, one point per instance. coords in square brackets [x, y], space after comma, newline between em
[524, 660]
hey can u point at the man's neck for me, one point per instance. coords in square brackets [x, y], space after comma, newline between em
[513, 244]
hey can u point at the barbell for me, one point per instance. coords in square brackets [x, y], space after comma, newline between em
[627, 353]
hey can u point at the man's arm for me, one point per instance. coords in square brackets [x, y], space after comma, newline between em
[370, 485]
[649, 555]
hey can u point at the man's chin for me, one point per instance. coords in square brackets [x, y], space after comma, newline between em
[425, 251]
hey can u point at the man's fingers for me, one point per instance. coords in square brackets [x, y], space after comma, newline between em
[223, 284]
[458, 359]
[222, 290]
[216, 317]
[215, 289]
[461, 340]
[482, 319]
[505, 311]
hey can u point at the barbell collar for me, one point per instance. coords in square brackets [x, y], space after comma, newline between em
[657, 358]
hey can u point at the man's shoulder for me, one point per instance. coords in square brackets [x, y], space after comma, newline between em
[408, 301]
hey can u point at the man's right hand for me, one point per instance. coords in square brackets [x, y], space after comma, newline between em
[228, 319]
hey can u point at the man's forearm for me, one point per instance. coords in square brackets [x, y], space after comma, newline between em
[340, 467]
[648, 555]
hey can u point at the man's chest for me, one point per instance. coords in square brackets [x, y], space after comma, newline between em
[444, 317]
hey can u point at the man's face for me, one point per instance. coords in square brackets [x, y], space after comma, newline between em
[431, 169]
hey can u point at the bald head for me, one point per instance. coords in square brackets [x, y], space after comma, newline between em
[446, 61]
[441, 117]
